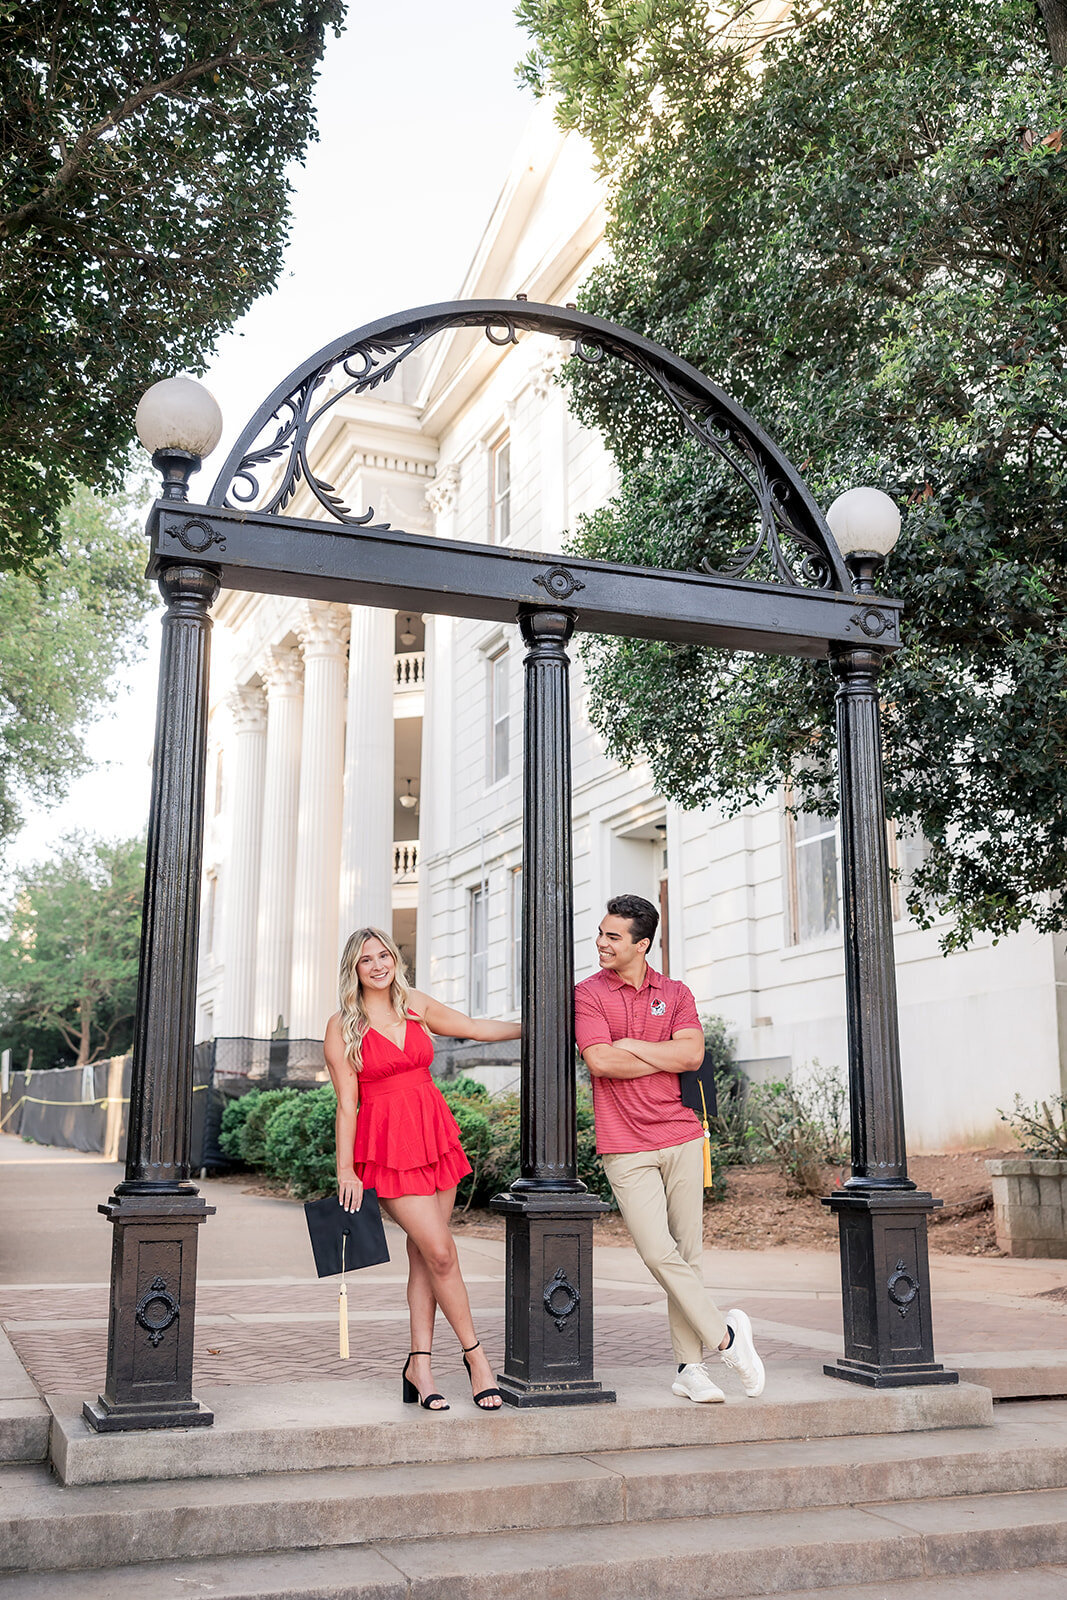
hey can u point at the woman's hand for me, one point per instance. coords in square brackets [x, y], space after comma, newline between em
[349, 1191]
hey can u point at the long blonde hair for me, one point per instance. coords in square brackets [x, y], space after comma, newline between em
[354, 1019]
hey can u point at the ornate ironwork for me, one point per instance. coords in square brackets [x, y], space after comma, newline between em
[271, 459]
[157, 1294]
[902, 1288]
[561, 1299]
[198, 536]
[559, 582]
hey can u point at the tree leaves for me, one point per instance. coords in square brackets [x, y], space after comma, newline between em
[863, 238]
[143, 158]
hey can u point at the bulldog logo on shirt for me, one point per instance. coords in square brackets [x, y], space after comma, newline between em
[658, 1007]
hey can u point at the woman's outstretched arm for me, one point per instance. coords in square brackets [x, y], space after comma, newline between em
[346, 1087]
[450, 1024]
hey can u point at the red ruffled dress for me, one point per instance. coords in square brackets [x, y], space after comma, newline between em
[407, 1140]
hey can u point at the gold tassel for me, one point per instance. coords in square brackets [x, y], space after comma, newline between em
[342, 1305]
[709, 1176]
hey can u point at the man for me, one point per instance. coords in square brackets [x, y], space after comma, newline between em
[637, 1030]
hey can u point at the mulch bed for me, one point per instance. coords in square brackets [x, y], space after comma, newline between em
[758, 1209]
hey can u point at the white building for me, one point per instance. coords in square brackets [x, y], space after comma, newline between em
[327, 721]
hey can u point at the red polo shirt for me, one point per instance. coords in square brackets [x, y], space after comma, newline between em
[636, 1113]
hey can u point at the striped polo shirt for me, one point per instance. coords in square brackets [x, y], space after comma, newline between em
[636, 1113]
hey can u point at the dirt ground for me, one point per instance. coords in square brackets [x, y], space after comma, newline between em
[758, 1211]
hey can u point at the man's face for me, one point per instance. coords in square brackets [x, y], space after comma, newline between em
[615, 944]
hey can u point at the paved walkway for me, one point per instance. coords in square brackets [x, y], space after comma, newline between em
[262, 1317]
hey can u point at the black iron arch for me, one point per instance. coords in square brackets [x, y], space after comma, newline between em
[363, 360]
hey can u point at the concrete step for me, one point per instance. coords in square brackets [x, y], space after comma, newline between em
[46, 1526]
[1031, 1583]
[713, 1558]
[24, 1418]
[317, 1426]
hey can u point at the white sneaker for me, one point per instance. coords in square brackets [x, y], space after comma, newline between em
[693, 1383]
[741, 1355]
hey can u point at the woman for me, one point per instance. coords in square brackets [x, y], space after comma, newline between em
[396, 1135]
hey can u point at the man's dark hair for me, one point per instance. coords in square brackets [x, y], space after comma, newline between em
[641, 915]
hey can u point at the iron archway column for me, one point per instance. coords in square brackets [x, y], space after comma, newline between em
[156, 1211]
[885, 1274]
[548, 1356]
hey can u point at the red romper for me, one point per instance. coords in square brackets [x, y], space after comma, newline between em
[407, 1140]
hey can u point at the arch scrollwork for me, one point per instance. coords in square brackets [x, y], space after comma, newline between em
[271, 460]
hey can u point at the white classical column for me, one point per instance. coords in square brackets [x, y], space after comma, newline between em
[248, 707]
[367, 834]
[435, 782]
[323, 631]
[284, 675]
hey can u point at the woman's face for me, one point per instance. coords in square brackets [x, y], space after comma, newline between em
[375, 967]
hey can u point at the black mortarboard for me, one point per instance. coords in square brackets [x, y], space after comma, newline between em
[360, 1234]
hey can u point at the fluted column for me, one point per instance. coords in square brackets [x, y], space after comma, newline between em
[248, 707]
[323, 631]
[548, 1328]
[367, 829]
[885, 1271]
[284, 676]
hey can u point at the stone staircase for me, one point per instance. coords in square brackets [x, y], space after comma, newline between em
[816, 1487]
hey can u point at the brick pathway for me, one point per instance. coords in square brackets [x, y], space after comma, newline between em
[60, 1334]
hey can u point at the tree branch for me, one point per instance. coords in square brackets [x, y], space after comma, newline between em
[1054, 16]
[74, 160]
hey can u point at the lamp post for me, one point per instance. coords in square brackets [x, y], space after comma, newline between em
[885, 1275]
[156, 1211]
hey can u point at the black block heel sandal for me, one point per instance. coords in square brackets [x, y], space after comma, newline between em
[483, 1394]
[411, 1394]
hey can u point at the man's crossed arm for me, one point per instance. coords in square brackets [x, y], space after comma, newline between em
[640, 1058]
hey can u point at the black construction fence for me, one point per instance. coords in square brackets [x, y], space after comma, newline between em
[86, 1108]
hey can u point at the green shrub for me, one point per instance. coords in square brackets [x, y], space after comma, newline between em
[473, 1113]
[803, 1126]
[1040, 1130]
[298, 1141]
[244, 1122]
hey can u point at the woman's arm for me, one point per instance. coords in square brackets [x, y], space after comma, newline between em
[682, 1052]
[449, 1024]
[346, 1087]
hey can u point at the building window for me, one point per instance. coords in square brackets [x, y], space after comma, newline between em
[515, 939]
[478, 944]
[815, 895]
[500, 492]
[209, 914]
[499, 731]
[908, 849]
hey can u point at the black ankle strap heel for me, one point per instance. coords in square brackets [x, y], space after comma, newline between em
[483, 1394]
[411, 1393]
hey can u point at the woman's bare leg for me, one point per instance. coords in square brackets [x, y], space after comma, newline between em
[422, 1304]
[424, 1218]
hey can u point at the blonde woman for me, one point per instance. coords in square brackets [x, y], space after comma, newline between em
[396, 1135]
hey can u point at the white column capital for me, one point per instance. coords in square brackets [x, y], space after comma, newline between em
[441, 495]
[322, 628]
[282, 670]
[248, 708]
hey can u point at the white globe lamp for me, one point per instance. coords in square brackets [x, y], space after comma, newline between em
[179, 422]
[866, 525]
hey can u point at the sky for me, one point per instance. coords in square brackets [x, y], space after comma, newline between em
[419, 114]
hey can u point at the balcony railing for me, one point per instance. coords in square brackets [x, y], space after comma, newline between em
[409, 670]
[406, 861]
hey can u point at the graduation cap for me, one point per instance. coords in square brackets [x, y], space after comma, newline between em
[343, 1241]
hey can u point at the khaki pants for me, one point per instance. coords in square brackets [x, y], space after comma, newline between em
[661, 1197]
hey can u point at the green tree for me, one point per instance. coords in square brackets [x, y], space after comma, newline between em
[65, 630]
[143, 157]
[857, 225]
[68, 963]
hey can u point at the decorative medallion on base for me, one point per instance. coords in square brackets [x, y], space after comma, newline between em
[885, 1280]
[548, 1356]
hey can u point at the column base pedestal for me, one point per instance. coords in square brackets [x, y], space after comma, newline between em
[106, 1418]
[885, 1289]
[548, 1356]
[153, 1304]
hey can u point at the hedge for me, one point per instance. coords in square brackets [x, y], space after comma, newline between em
[289, 1133]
